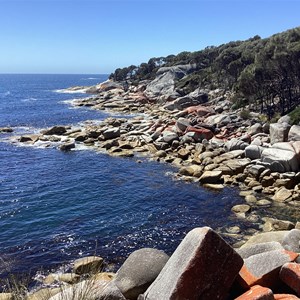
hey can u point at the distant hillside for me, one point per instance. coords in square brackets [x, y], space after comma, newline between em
[264, 73]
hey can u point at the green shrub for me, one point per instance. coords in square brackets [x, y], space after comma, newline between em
[295, 116]
[245, 114]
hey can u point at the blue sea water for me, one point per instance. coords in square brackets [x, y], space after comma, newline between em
[57, 206]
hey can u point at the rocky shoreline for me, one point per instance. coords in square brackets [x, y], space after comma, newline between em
[206, 141]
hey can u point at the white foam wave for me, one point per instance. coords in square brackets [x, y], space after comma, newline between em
[28, 99]
[4, 94]
[91, 78]
[67, 91]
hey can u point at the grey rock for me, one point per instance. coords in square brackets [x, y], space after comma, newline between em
[57, 130]
[291, 240]
[236, 144]
[263, 269]
[253, 151]
[294, 133]
[211, 177]
[67, 146]
[254, 249]
[272, 236]
[169, 136]
[279, 132]
[194, 270]
[284, 119]
[182, 124]
[111, 133]
[281, 157]
[88, 264]
[139, 270]
[254, 129]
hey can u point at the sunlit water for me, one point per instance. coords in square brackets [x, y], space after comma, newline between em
[56, 206]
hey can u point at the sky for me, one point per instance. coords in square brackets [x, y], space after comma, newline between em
[98, 36]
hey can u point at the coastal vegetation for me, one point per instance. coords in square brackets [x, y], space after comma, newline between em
[262, 73]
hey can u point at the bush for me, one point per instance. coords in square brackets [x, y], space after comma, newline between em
[295, 116]
[245, 114]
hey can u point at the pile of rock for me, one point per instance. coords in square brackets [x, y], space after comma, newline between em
[203, 266]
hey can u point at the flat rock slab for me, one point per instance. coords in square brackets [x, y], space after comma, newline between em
[263, 269]
[285, 297]
[203, 266]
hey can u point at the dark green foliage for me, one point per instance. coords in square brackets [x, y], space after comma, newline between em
[295, 116]
[264, 73]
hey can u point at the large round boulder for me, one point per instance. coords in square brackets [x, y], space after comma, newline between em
[139, 270]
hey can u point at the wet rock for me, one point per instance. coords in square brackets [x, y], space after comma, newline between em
[89, 264]
[139, 270]
[217, 187]
[111, 133]
[241, 208]
[193, 267]
[57, 130]
[6, 130]
[29, 138]
[272, 224]
[279, 132]
[67, 146]
[211, 177]
[282, 195]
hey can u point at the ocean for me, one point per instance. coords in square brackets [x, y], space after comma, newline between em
[59, 206]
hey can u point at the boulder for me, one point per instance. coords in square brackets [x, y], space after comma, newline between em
[282, 195]
[279, 132]
[294, 133]
[291, 240]
[6, 130]
[254, 249]
[41, 294]
[182, 124]
[139, 270]
[203, 266]
[253, 151]
[255, 129]
[284, 119]
[65, 277]
[88, 264]
[257, 292]
[236, 144]
[272, 224]
[290, 275]
[187, 101]
[169, 136]
[263, 269]
[281, 159]
[241, 208]
[163, 86]
[67, 146]
[201, 133]
[211, 177]
[57, 130]
[111, 133]
[218, 120]
[272, 236]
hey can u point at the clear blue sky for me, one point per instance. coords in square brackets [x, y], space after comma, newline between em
[98, 36]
